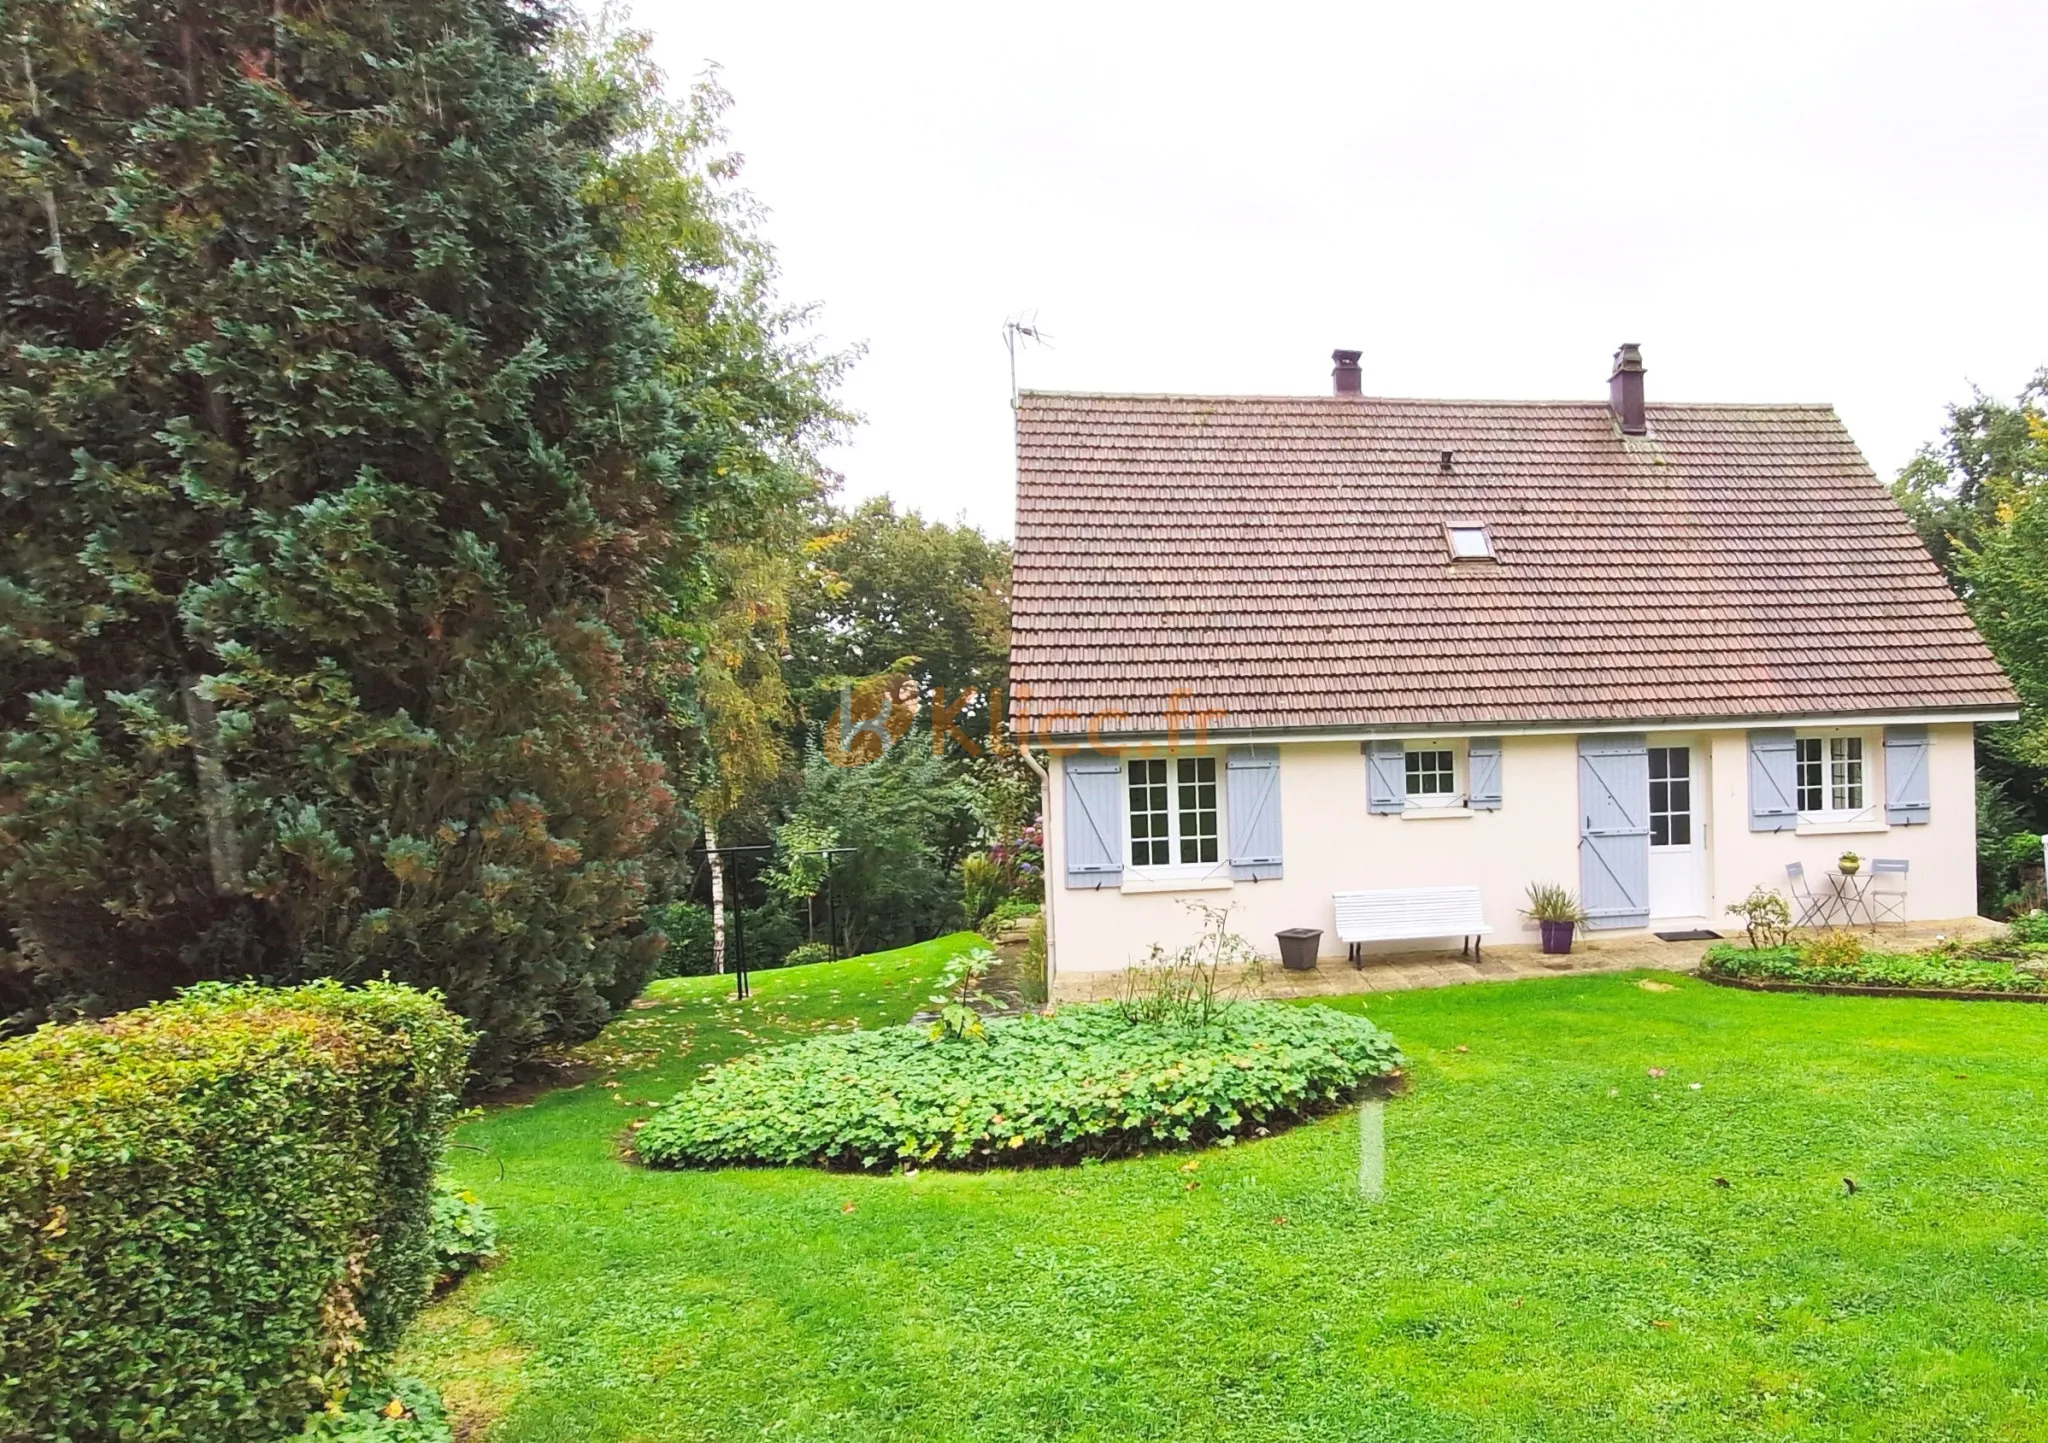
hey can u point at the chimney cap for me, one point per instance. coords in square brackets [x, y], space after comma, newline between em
[1346, 358]
[1625, 390]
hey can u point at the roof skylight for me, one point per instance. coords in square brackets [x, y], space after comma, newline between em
[1470, 543]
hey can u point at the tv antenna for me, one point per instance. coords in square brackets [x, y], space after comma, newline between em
[1024, 327]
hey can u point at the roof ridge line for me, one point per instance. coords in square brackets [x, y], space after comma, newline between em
[1418, 400]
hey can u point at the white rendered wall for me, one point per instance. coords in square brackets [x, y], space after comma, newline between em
[1332, 843]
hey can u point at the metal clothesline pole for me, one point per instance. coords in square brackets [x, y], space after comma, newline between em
[717, 857]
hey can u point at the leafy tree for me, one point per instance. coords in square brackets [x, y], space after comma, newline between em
[1979, 497]
[343, 470]
[2005, 573]
[759, 397]
[889, 592]
[908, 817]
[1950, 488]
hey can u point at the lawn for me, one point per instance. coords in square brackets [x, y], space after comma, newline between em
[1555, 1256]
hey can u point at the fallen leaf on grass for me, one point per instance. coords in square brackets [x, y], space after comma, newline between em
[1461, 1047]
[847, 1206]
[1649, 984]
[1279, 1222]
[1659, 1323]
[1656, 1072]
[1721, 1182]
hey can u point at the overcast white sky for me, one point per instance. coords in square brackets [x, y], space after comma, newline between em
[1783, 201]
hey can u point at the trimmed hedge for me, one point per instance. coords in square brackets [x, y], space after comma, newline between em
[213, 1208]
[1084, 1082]
[1942, 971]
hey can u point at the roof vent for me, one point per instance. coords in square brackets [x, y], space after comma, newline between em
[1345, 375]
[1625, 389]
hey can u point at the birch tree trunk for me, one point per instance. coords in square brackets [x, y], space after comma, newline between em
[717, 897]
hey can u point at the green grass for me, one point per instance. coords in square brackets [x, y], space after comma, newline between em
[1552, 1259]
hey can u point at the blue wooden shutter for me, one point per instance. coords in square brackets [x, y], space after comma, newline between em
[1095, 820]
[1614, 831]
[1482, 774]
[1907, 798]
[1386, 778]
[1252, 798]
[1773, 782]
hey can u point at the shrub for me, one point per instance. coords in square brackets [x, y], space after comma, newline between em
[1766, 914]
[982, 886]
[1006, 914]
[465, 1234]
[1083, 1082]
[1032, 983]
[1934, 970]
[769, 933]
[2029, 927]
[213, 1210]
[687, 927]
[805, 953]
[1833, 949]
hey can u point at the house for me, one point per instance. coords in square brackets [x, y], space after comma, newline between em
[1275, 648]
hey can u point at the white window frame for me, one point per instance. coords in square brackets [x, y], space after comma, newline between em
[1691, 813]
[1173, 867]
[1450, 804]
[1830, 742]
[1485, 533]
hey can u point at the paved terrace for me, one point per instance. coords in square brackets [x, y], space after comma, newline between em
[1508, 962]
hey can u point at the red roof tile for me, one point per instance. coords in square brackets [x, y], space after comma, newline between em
[1285, 561]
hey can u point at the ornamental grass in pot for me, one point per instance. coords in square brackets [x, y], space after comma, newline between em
[1556, 912]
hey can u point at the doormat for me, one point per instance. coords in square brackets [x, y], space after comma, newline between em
[1700, 935]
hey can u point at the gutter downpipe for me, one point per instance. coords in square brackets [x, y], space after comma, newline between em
[1045, 874]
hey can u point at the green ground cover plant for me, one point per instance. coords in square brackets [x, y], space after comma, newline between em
[2029, 927]
[1958, 971]
[1555, 1258]
[216, 1210]
[465, 1235]
[385, 1409]
[1083, 1082]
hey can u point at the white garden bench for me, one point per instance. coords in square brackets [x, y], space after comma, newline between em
[1402, 914]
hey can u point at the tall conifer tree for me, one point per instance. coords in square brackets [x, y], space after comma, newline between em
[339, 479]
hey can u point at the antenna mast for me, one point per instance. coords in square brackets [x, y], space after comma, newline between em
[1021, 325]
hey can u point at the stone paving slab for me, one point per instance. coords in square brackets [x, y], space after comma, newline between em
[1509, 962]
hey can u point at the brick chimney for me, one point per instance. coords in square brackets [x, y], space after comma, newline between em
[1625, 389]
[1344, 376]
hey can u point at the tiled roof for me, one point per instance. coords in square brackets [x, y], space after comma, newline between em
[1284, 560]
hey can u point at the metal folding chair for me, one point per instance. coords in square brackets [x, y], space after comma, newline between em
[1810, 908]
[1886, 894]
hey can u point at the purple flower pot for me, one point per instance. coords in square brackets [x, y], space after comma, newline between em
[1557, 937]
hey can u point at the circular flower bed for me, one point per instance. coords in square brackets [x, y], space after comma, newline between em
[1084, 1082]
